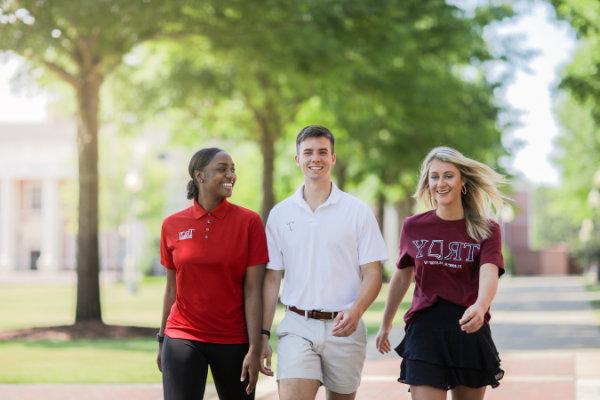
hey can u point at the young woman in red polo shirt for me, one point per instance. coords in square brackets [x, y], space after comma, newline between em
[214, 253]
[454, 254]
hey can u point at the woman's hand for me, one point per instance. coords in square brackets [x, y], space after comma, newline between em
[382, 342]
[158, 361]
[473, 318]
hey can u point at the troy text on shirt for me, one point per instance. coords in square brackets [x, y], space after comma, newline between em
[440, 250]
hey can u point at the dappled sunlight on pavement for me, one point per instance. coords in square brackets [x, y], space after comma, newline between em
[547, 335]
[545, 330]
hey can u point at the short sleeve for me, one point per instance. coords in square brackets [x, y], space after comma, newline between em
[371, 246]
[404, 258]
[491, 249]
[166, 257]
[274, 245]
[257, 243]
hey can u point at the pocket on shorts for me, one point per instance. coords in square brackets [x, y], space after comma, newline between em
[361, 331]
[281, 330]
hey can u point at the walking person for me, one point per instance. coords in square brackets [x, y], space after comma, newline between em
[331, 249]
[454, 254]
[214, 253]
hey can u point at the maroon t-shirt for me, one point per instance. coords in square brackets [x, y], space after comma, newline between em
[446, 260]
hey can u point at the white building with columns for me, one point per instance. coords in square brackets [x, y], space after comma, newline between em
[36, 161]
[38, 178]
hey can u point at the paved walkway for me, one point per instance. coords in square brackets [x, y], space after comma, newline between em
[545, 330]
[547, 335]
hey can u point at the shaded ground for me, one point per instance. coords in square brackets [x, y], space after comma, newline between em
[81, 330]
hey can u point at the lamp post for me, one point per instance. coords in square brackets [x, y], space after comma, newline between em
[507, 216]
[133, 184]
[594, 202]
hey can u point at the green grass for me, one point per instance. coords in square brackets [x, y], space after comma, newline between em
[98, 361]
[79, 361]
[374, 314]
[29, 305]
[595, 303]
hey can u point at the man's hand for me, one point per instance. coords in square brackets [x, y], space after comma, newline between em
[250, 367]
[265, 357]
[472, 319]
[345, 323]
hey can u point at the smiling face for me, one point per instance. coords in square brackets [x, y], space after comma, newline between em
[218, 177]
[315, 158]
[445, 184]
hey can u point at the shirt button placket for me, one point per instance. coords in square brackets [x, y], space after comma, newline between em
[206, 230]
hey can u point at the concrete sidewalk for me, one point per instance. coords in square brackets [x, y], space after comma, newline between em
[545, 330]
[547, 335]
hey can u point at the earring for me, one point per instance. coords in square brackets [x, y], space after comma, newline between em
[201, 180]
[464, 189]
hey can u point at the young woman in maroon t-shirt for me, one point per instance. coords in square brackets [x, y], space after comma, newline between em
[454, 254]
[214, 253]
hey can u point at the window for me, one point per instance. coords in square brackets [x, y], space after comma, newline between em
[34, 256]
[35, 199]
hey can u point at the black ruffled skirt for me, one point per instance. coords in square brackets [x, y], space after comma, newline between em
[435, 352]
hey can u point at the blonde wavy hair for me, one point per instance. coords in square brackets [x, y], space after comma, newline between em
[482, 200]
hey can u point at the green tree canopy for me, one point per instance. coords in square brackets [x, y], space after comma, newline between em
[395, 77]
[82, 44]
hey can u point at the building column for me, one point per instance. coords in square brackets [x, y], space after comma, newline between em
[8, 231]
[49, 256]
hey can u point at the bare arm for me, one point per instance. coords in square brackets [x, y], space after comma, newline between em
[270, 292]
[399, 285]
[253, 310]
[346, 321]
[168, 300]
[474, 316]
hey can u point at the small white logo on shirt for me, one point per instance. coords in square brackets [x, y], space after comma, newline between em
[290, 225]
[186, 234]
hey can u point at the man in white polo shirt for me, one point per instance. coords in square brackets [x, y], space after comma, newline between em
[331, 249]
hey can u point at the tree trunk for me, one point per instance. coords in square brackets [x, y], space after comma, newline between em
[380, 208]
[403, 209]
[341, 174]
[88, 259]
[267, 148]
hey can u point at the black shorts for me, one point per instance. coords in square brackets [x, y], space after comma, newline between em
[436, 352]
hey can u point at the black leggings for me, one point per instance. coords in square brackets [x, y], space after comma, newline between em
[185, 366]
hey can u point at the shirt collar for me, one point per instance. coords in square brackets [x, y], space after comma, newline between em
[220, 211]
[333, 198]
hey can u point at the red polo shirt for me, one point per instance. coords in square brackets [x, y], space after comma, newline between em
[210, 252]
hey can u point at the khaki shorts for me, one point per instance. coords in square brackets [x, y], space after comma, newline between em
[306, 350]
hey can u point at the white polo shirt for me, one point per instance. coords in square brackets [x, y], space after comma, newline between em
[322, 251]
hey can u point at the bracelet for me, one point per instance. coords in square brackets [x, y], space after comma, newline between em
[265, 332]
[160, 338]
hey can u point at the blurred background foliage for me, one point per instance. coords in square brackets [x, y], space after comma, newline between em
[391, 78]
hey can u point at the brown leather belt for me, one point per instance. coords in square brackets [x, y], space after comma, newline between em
[314, 314]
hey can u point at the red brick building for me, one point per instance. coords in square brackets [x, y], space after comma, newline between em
[517, 239]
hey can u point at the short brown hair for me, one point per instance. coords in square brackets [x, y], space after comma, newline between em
[314, 131]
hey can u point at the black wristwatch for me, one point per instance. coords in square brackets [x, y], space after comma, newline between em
[265, 332]
[160, 338]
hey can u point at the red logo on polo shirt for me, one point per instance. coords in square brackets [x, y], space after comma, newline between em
[186, 234]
